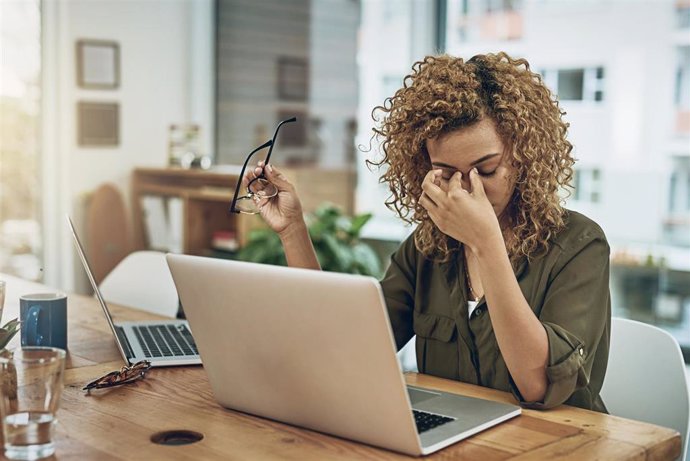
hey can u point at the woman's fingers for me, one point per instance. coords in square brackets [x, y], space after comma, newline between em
[426, 202]
[276, 177]
[477, 184]
[431, 186]
[252, 173]
[455, 187]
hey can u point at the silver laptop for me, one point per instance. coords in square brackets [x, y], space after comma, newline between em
[315, 349]
[162, 342]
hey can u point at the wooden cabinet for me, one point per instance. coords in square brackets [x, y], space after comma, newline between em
[205, 197]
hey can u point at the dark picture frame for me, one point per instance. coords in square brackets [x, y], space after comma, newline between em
[98, 124]
[293, 78]
[98, 64]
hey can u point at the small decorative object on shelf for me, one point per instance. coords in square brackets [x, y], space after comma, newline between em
[224, 240]
[184, 147]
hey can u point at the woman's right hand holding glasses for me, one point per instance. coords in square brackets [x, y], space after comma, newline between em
[282, 212]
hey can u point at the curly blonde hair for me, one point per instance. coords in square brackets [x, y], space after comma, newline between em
[444, 93]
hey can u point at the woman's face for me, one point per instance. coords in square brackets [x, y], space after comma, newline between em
[479, 146]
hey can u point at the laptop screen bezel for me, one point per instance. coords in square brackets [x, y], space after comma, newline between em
[94, 285]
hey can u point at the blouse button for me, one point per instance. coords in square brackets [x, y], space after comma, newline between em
[582, 351]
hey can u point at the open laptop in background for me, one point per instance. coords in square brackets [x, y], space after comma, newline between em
[315, 349]
[161, 342]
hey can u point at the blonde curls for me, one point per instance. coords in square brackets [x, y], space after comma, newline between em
[444, 93]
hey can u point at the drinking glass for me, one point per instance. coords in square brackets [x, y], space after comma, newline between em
[29, 398]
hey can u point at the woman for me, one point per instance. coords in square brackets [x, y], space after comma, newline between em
[502, 286]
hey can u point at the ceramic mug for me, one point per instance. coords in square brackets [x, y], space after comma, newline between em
[44, 320]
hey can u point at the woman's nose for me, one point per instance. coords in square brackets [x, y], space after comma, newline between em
[466, 182]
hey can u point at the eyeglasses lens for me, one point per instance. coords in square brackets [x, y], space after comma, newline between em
[259, 188]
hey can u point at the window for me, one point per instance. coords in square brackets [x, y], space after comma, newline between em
[277, 59]
[587, 184]
[476, 20]
[579, 84]
[679, 187]
[682, 90]
[570, 84]
[20, 103]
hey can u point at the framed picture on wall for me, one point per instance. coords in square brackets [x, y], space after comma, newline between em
[98, 124]
[293, 78]
[98, 64]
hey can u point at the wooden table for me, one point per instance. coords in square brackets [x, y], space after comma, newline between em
[118, 423]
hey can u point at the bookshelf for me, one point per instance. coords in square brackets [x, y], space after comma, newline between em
[203, 201]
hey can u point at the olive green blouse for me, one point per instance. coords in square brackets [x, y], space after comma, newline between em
[567, 288]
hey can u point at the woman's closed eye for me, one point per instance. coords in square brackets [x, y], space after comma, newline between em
[447, 174]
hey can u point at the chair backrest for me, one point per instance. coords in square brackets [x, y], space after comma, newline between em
[107, 231]
[142, 280]
[645, 379]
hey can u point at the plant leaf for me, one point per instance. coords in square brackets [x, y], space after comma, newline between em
[366, 260]
[358, 222]
[8, 331]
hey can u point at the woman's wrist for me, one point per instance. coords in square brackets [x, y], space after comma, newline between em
[295, 230]
[490, 241]
[299, 250]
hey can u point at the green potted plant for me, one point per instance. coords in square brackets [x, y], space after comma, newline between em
[7, 332]
[8, 381]
[336, 239]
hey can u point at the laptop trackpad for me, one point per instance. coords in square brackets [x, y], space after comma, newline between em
[418, 396]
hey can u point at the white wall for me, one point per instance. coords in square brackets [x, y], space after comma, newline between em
[166, 76]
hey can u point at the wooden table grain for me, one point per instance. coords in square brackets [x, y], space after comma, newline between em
[117, 424]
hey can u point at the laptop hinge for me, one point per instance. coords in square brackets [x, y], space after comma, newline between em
[124, 341]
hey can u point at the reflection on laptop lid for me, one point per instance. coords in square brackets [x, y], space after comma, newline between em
[163, 343]
[315, 349]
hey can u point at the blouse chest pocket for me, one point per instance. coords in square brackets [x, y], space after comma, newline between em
[436, 345]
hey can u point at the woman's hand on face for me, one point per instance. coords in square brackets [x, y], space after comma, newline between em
[466, 216]
[282, 211]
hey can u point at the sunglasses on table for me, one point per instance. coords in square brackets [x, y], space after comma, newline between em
[124, 375]
[259, 187]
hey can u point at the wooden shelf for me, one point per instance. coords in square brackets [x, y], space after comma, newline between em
[206, 197]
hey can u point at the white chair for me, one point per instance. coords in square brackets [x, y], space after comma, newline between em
[645, 379]
[407, 356]
[142, 280]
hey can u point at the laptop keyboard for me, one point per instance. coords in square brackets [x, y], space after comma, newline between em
[165, 340]
[426, 421]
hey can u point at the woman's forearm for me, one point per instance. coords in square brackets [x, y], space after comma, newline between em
[298, 247]
[520, 335]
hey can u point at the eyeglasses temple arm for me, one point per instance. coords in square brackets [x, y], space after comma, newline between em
[289, 120]
[268, 143]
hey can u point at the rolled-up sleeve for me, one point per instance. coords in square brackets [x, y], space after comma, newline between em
[398, 290]
[575, 314]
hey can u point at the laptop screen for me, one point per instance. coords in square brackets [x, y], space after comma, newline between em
[89, 273]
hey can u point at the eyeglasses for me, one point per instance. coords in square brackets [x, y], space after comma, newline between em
[124, 375]
[258, 188]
